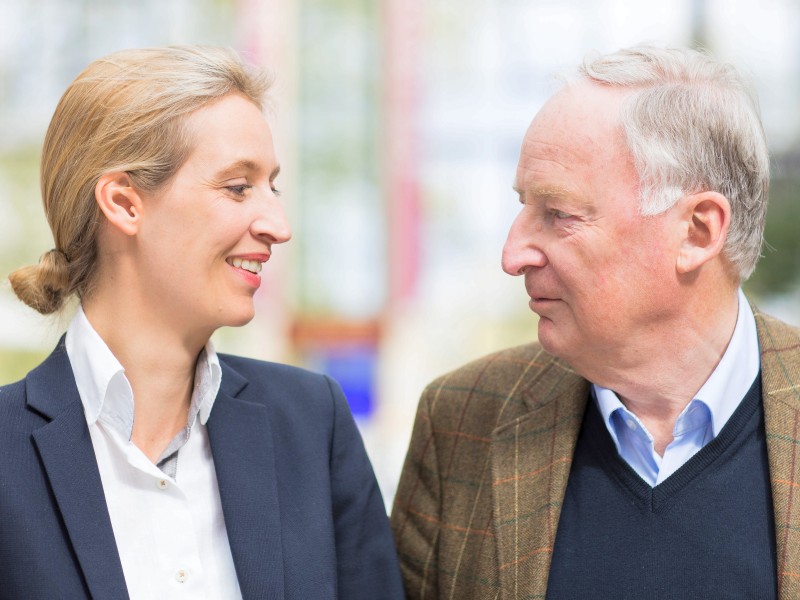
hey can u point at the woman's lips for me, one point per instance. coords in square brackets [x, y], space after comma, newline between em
[248, 266]
[253, 279]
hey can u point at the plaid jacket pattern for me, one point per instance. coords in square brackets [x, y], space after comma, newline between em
[478, 503]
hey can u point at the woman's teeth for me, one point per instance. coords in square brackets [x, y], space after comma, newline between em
[248, 265]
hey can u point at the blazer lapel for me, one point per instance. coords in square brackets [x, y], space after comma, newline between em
[780, 377]
[68, 457]
[241, 444]
[531, 459]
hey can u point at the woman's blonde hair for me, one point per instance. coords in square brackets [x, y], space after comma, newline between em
[125, 112]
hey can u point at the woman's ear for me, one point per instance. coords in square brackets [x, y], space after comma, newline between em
[119, 201]
[707, 217]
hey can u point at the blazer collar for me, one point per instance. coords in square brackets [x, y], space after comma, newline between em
[55, 373]
[531, 460]
[68, 457]
[241, 444]
[233, 382]
[240, 434]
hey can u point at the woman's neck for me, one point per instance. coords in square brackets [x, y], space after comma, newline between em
[159, 364]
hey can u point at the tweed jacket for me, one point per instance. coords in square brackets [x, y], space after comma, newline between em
[477, 508]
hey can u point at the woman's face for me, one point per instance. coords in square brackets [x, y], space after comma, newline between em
[205, 237]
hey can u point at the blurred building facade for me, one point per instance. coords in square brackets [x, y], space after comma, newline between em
[398, 125]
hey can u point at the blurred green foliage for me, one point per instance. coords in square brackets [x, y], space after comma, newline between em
[14, 364]
[778, 270]
[24, 233]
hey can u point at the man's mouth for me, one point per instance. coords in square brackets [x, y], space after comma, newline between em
[542, 299]
[253, 266]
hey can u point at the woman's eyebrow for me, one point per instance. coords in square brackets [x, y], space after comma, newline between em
[244, 164]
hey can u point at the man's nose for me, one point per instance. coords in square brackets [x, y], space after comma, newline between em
[522, 249]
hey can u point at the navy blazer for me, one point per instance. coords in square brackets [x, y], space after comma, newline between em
[304, 514]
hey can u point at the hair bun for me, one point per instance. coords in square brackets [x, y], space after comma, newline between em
[45, 286]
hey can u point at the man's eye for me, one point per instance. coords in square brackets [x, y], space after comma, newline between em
[560, 214]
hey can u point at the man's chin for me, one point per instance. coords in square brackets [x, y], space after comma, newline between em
[549, 338]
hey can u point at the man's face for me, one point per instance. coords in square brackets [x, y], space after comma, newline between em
[598, 274]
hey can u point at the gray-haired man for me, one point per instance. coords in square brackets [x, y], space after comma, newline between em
[645, 446]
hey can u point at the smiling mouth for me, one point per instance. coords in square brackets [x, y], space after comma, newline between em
[253, 266]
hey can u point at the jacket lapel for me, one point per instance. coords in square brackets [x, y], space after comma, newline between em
[531, 459]
[68, 457]
[241, 444]
[780, 377]
[532, 456]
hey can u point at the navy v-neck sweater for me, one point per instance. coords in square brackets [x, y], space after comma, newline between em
[707, 531]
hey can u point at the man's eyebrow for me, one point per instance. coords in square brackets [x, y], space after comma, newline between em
[551, 192]
[542, 191]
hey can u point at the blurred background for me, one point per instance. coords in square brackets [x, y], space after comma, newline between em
[398, 125]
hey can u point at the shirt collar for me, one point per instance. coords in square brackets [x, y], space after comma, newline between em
[726, 386]
[207, 379]
[736, 371]
[106, 393]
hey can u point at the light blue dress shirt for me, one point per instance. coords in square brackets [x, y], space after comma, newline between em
[701, 420]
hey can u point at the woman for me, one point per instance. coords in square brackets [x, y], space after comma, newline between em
[135, 461]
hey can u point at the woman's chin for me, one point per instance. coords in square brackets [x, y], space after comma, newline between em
[241, 320]
[235, 316]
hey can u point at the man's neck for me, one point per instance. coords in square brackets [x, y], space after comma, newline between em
[663, 375]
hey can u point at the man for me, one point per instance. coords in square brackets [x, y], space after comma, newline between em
[647, 445]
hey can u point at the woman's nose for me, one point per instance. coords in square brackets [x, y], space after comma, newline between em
[271, 222]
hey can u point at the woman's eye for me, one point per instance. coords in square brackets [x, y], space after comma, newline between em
[239, 190]
[276, 191]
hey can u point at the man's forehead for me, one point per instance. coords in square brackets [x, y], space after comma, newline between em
[584, 102]
[571, 147]
[579, 126]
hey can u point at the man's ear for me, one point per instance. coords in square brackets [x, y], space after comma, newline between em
[119, 201]
[706, 217]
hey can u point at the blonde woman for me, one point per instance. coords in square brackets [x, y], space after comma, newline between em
[136, 461]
